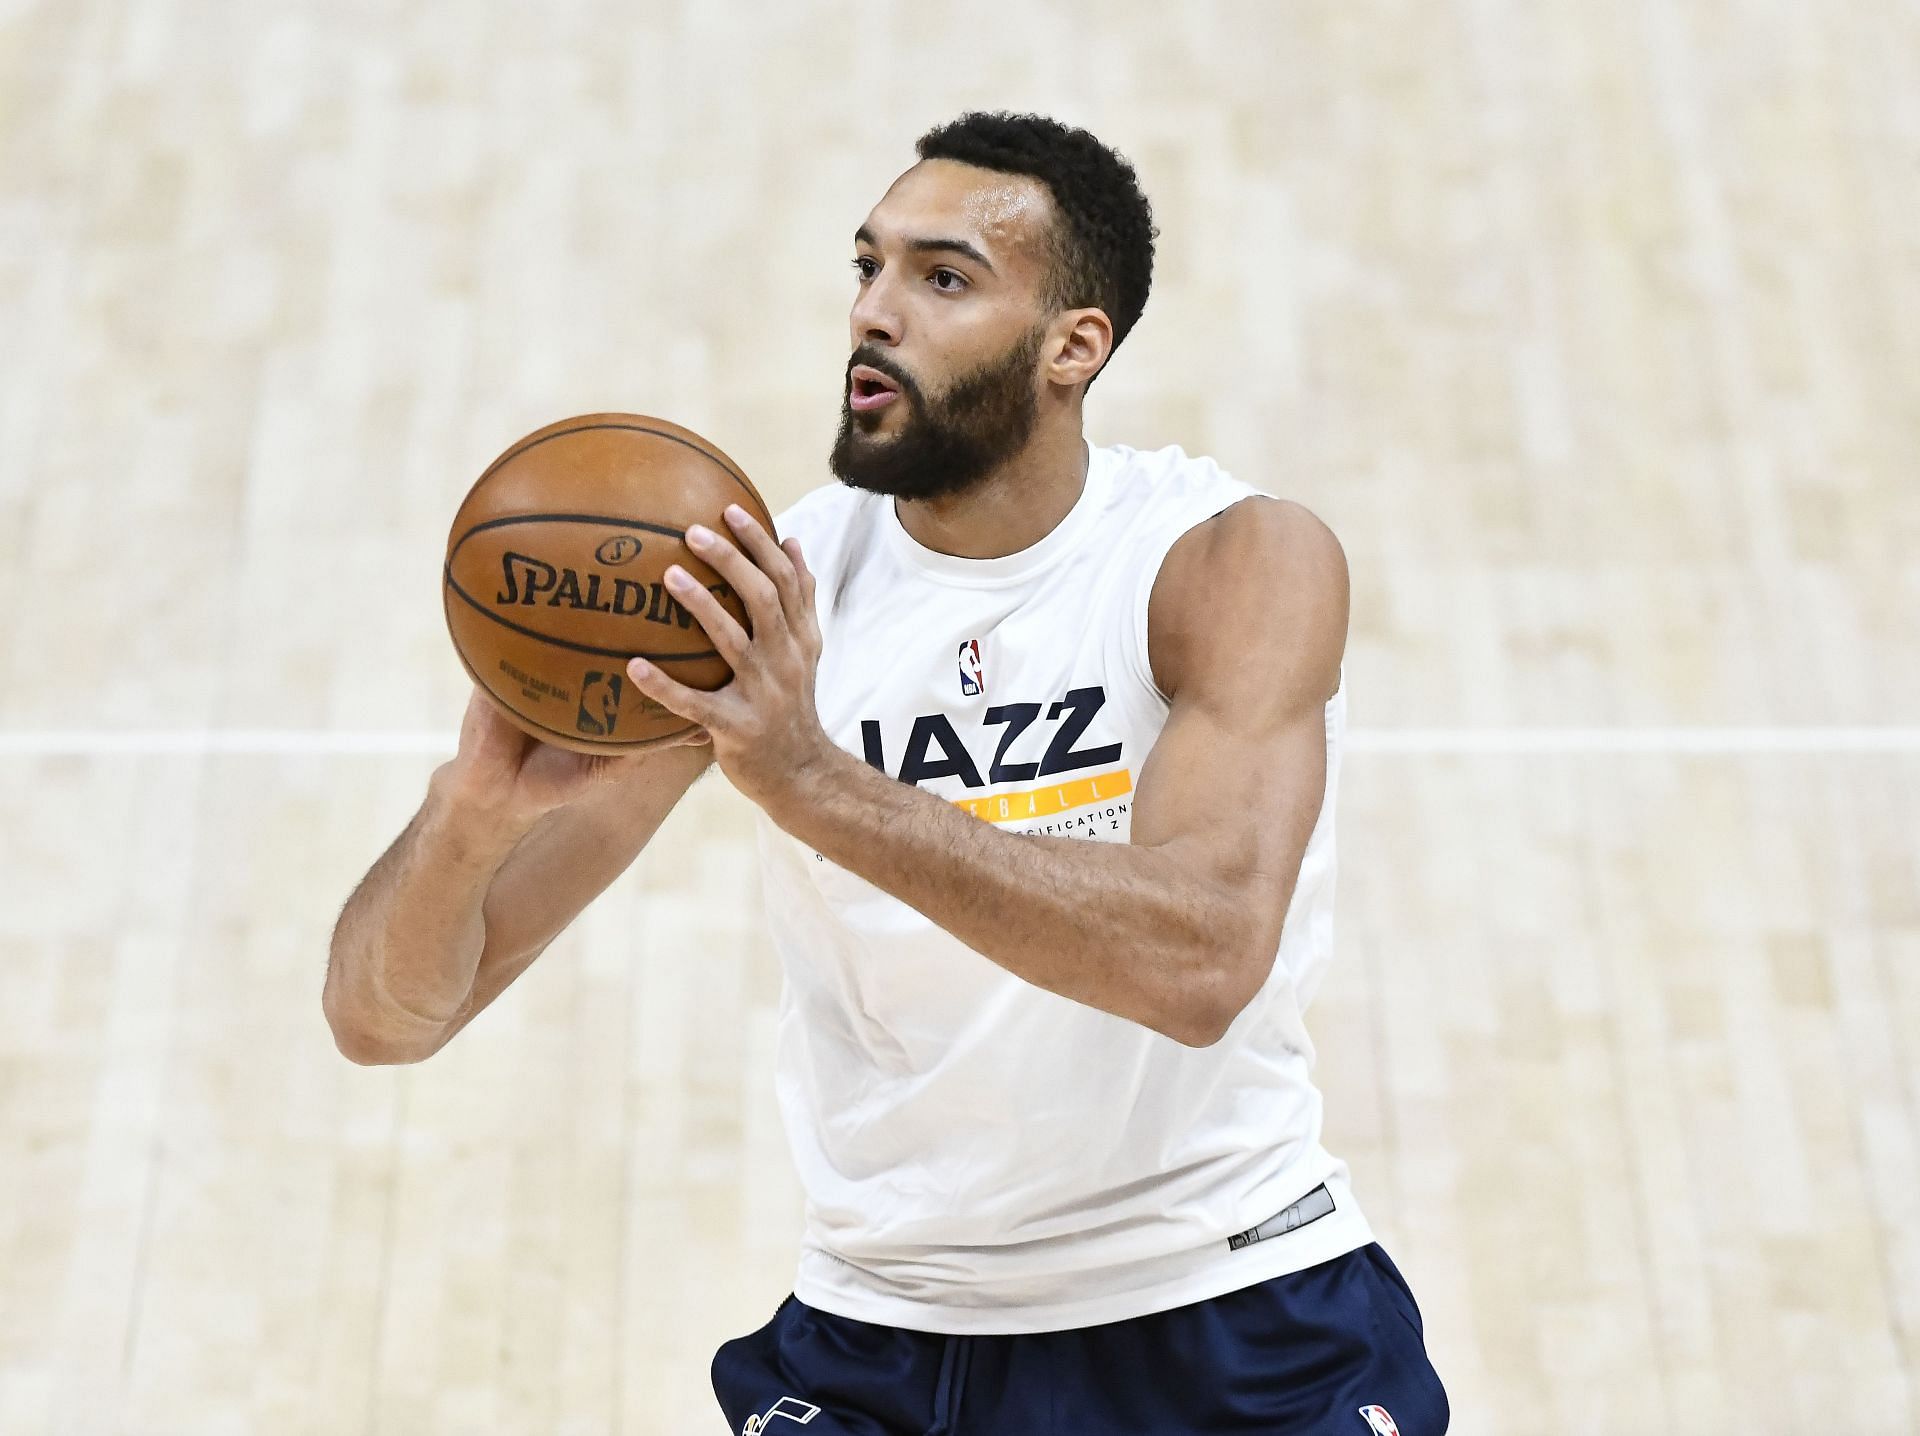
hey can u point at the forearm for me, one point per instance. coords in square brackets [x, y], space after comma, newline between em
[1131, 930]
[407, 949]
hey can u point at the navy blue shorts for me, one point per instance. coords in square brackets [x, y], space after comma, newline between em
[1335, 1349]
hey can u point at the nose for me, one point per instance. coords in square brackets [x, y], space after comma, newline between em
[875, 318]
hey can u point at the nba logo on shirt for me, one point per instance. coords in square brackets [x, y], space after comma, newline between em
[1379, 1422]
[972, 679]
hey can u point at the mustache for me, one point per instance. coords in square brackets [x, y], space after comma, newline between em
[879, 363]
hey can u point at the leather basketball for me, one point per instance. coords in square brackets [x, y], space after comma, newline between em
[554, 576]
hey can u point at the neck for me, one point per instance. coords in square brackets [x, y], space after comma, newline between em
[1011, 508]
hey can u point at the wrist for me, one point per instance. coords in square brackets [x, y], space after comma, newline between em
[806, 783]
[469, 827]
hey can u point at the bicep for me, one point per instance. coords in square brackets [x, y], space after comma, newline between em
[1248, 626]
[1237, 797]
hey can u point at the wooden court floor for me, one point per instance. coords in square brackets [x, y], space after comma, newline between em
[1593, 330]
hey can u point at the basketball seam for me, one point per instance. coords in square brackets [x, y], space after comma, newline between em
[546, 518]
[474, 674]
[479, 608]
[725, 467]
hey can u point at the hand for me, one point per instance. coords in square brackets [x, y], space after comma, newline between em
[766, 733]
[513, 779]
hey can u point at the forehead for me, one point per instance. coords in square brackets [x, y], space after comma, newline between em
[1007, 217]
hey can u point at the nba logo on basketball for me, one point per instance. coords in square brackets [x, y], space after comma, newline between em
[599, 702]
[1379, 1422]
[973, 680]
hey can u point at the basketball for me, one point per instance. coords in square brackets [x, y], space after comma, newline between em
[554, 576]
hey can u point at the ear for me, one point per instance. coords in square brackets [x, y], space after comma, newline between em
[1085, 339]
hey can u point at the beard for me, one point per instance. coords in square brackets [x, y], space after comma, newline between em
[946, 444]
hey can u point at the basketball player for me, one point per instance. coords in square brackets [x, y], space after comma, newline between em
[1045, 739]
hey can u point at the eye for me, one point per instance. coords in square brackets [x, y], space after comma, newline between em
[959, 281]
[860, 266]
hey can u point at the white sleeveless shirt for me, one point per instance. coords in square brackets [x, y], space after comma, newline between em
[980, 1155]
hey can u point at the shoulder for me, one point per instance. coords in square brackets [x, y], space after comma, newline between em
[834, 524]
[1282, 538]
[818, 513]
[1167, 473]
[1262, 582]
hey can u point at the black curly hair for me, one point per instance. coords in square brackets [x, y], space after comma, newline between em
[1103, 245]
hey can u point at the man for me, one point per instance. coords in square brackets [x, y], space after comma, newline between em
[1045, 739]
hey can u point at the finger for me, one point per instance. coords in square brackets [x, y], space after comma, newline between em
[485, 732]
[791, 547]
[687, 738]
[774, 560]
[470, 720]
[690, 703]
[729, 638]
[756, 590]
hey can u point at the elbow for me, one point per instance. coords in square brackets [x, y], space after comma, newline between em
[1215, 1000]
[365, 1049]
[1201, 1027]
[364, 1044]
[1194, 1034]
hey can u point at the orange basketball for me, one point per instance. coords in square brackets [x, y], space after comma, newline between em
[554, 576]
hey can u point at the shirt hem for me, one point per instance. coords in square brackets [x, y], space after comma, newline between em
[1226, 1271]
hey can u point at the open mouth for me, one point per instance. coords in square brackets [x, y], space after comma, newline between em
[869, 390]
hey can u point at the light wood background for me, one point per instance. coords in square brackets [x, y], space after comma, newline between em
[1592, 329]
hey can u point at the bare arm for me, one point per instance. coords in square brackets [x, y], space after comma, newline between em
[1176, 930]
[514, 839]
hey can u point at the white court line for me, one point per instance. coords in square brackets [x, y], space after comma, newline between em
[1508, 742]
[1521, 741]
[195, 742]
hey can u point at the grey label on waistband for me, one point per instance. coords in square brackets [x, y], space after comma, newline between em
[1310, 1208]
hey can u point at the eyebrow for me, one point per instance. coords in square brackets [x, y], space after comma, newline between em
[929, 246]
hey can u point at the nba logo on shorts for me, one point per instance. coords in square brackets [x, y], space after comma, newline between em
[1379, 1422]
[972, 679]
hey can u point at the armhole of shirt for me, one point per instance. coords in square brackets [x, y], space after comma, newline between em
[824, 528]
[1196, 511]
